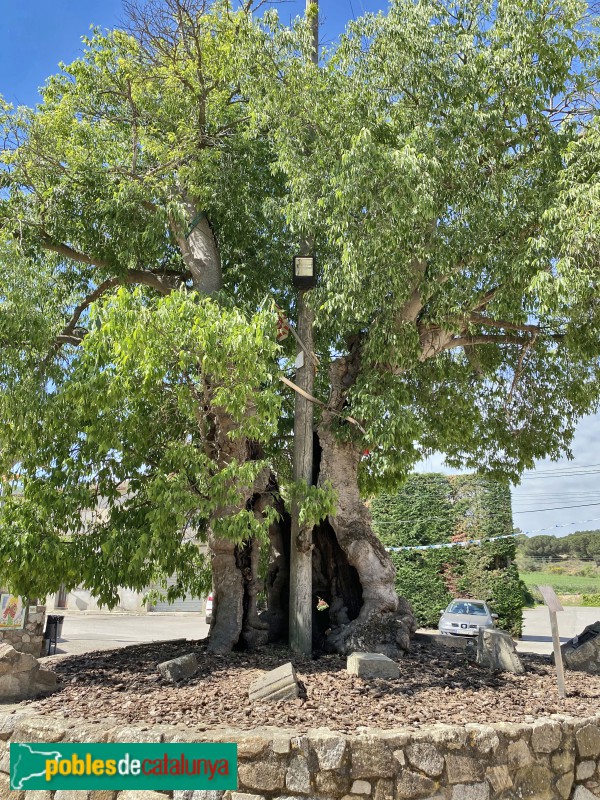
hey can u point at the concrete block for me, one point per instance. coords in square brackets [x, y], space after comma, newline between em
[278, 684]
[372, 665]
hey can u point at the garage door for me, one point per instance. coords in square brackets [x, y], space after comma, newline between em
[187, 603]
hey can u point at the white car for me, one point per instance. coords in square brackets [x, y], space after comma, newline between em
[464, 617]
[208, 609]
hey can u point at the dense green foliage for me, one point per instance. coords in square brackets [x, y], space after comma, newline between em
[431, 509]
[131, 477]
[444, 157]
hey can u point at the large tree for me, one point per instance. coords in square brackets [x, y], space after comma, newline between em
[444, 157]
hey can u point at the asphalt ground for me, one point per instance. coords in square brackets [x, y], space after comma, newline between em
[87, 631]
[537, 636]
[83, 631]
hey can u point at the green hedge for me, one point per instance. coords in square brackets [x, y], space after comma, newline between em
[432, 509]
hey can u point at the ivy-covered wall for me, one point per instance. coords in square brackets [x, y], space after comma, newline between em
[432, 509]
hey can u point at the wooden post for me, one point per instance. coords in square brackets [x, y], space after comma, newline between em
[301, 546]
[554, 605]
[301, 537]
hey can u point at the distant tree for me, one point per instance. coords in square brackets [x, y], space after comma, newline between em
[544, 547]
[584, 544]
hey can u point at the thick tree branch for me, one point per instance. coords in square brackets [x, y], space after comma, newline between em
[479, 319]
[69, 334]
[469, 341]
[483, 301]
[164, 281]
[66, 251]
[65, 339]
[199, 248]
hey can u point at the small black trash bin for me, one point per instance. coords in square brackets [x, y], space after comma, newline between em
[51, 633]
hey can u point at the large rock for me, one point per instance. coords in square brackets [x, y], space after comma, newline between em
[583, 651]
[389, 634]
[372, 665]
[178, 669]
[21, 676]
[278, 684]
[496, 650]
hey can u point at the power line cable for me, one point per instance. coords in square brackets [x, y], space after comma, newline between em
[566, 468]
[557, 508]
[572, 474]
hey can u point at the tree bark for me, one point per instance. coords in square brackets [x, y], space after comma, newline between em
[199, 248]
[234, 567]
[228, 596]
[385, 622]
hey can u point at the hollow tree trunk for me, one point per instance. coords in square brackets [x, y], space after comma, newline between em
[385, 622]
[351, 569]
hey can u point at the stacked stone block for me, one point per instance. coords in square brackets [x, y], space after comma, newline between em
[555, 758]
[30, 638]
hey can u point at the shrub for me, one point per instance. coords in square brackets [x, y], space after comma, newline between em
[590, 600]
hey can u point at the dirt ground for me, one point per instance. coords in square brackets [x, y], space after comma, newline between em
[436, 684]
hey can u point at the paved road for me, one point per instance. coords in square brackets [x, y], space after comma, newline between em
[537, 637]
[83, 632]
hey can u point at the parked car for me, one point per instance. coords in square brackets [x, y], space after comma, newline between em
[209, 608]
[465, 617]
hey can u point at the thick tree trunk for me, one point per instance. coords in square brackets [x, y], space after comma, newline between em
[352, 573]
[236, 621]
[384, 622]
[228, 596]
[235, 567]
[226, 560]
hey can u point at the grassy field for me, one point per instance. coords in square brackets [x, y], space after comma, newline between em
[562, 584]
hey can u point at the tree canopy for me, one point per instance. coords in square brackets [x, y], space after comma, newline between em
[445, 158]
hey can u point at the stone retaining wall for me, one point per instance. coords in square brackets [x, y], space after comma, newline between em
[553, 758]
[30, 638]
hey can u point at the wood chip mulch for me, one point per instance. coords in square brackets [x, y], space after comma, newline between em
[436, 684]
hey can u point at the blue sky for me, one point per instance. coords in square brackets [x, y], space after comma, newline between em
[35, 36]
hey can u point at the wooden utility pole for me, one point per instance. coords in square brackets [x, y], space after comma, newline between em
[301, 537]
